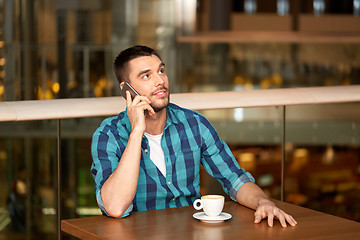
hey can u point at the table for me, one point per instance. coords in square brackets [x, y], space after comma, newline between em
[178, 223]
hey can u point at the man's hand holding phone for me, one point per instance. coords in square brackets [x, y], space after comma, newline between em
[136, 110]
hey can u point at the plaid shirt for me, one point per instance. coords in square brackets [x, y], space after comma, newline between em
[188, 140]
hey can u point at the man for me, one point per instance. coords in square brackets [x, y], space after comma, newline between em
[149, 156]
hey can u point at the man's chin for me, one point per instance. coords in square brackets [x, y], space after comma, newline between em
[160, 106]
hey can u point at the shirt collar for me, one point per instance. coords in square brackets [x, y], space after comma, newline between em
[171, 115]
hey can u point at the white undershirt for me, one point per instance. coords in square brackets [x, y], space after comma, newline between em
[156, 152]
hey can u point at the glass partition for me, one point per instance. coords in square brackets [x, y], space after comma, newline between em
[323, 158]
[254, 136]
[28, 176]
[78, 198]
[28, 179]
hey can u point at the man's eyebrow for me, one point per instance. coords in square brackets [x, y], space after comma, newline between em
[148, 70]
[142, 72]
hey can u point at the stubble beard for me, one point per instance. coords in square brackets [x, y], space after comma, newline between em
[161, 107]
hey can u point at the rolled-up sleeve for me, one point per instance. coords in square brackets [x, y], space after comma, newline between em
[102, 208]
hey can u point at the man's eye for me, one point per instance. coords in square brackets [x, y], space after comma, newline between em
[161, 71]
[146, 76]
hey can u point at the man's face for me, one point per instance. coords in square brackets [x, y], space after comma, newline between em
[147, 75]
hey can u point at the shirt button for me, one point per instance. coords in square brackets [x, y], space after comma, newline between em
[169, 182]
[146, 150]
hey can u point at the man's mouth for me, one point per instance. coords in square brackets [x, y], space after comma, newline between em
[160, 93]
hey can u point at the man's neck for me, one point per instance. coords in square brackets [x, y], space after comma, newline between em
[155, 124]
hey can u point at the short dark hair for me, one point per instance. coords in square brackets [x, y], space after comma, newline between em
[127, 55]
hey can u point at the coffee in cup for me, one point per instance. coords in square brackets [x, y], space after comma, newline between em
[211, 204]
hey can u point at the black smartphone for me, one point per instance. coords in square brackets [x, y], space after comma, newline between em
[128, 87]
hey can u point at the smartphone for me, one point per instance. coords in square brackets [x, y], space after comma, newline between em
[128, 87]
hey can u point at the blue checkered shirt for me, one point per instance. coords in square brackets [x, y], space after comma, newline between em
[188, 141]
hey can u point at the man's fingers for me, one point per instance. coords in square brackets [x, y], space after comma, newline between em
[145, 106]
[290, 220]
[270, 219]
[281, 218]
[138, 99]
[128, 99]
[271, 212]
[150, 110]
[257, 217]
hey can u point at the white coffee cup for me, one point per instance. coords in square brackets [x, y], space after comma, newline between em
[211, 204]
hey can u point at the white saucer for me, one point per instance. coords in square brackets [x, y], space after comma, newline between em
[204, 218]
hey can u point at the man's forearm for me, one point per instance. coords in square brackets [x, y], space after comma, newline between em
[251, 195]
[119, 189]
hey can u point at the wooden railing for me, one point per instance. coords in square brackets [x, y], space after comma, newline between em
[91, 107]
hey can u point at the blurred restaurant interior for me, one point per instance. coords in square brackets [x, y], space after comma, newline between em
[53, 49]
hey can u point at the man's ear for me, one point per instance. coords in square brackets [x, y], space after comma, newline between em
[122, 85]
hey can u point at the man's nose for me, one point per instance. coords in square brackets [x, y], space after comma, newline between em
[159, 79]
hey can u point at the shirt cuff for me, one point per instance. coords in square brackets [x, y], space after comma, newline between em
[102, 208]
[244, 178]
